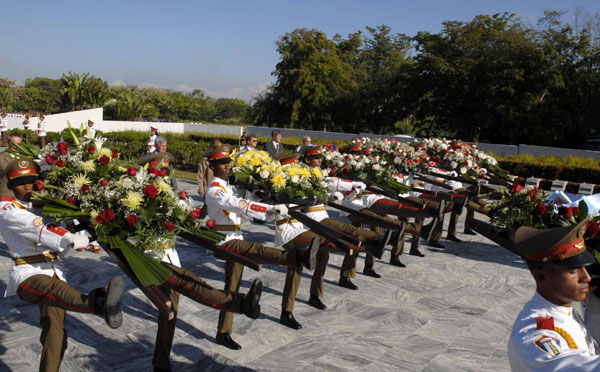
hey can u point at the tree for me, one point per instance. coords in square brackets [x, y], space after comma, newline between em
[80, 92]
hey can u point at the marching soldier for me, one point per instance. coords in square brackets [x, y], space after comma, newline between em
[548, 334]
[190, 285]
[228, 209]
[37, 276]
[374, 242]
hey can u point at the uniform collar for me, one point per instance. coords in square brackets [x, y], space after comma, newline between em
[21, 204]
[549, 306]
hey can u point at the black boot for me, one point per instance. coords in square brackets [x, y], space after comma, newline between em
[226, 340]
[314, 301]
[453, 238]
[434, 245]
[395, 260]
[108, 302]
[347, 283]
[397, 235]
[414, 251]
[426, 230]
[250, 302]
[375, 247]
[288, 320]
[308, 257]
[469, 232]
[370, 271]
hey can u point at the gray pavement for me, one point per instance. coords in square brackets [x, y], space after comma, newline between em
[449, 311]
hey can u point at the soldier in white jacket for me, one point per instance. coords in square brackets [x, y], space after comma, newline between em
[548, 334]
[37, 276]
[228, 209]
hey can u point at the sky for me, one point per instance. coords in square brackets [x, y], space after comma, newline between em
[224, 47]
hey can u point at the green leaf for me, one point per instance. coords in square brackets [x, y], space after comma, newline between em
[583, 211]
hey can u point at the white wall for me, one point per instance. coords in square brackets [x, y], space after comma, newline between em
[58, 122]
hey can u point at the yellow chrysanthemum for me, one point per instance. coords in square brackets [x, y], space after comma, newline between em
[133, 200]
[317, 172]
[162, 186]
[81, 179]
[293, 171]
[305, 173]
[256, 161]
[279, 181]
[105, 151]
[88, 166]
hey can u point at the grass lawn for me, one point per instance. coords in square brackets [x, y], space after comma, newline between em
[191, 176]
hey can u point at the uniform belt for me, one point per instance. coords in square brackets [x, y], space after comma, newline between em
[286, 221]
[318, 208]
[228, 227]
[37, 258]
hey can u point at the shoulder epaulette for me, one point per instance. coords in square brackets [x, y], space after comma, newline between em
[214, 184]
[7, 198]
[545, 323]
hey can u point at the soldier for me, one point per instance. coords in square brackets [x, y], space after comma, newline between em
[228, 209]
[374, 242]
[548, 334]
[37, 276]
[4, 129]
[5, 158]
[190, 285]
[41, 130]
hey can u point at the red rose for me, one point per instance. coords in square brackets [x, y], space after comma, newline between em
[131, 171]
[183, 195]
[154, 171]
[164, 172]
[71, 201]
[195, 214]
[91, 149]
[104, 182]
[62, 147]
[332, 172]
[565, 212]
[516, 188]
[39, 185]
[60, 163]
[346, 170]
[115, 153]
[541, 209]
[211, 224]
[49, 160]
[367, 169]
[85, 188]
[105, 216]
[592, 229]
[132, 220]
[151, 191]
[104, 160]
[170, 227]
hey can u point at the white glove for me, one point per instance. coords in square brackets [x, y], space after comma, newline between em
[338, 196]
[280, 209]
[359, 186]
[69, 241]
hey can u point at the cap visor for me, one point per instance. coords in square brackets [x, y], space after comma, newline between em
[23, 180]
[581, 260]
[221, 161]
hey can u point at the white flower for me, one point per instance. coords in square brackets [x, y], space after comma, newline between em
[463, 170]
[376, 167]
[295, 179]
[264, 174]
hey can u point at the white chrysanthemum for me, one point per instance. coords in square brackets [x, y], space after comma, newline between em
[295, 179]
[162, 186]
[264, 174]
[88, 166]
[104, 151]
[81, 179]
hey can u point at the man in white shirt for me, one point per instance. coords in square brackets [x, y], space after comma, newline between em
[548, 334]
[251, 142]
[306, 141]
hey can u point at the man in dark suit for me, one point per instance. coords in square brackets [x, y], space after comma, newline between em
[275, 145]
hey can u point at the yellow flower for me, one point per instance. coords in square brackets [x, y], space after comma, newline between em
[278, 181]
[122, 169]
[93, 215]
[256, 161]
[293, 171]
[305, 173]
[81, 179]
[133, 200]
[162, 186]
[317, 172]
[105, 151]
[88, 166]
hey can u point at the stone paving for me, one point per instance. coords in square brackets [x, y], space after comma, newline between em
[449, 311]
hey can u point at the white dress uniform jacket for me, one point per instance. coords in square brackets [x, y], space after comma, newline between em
[26, 234]
[536, 342]
[3, 124]
[226, 206]
[42, 126]
[334, 184]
